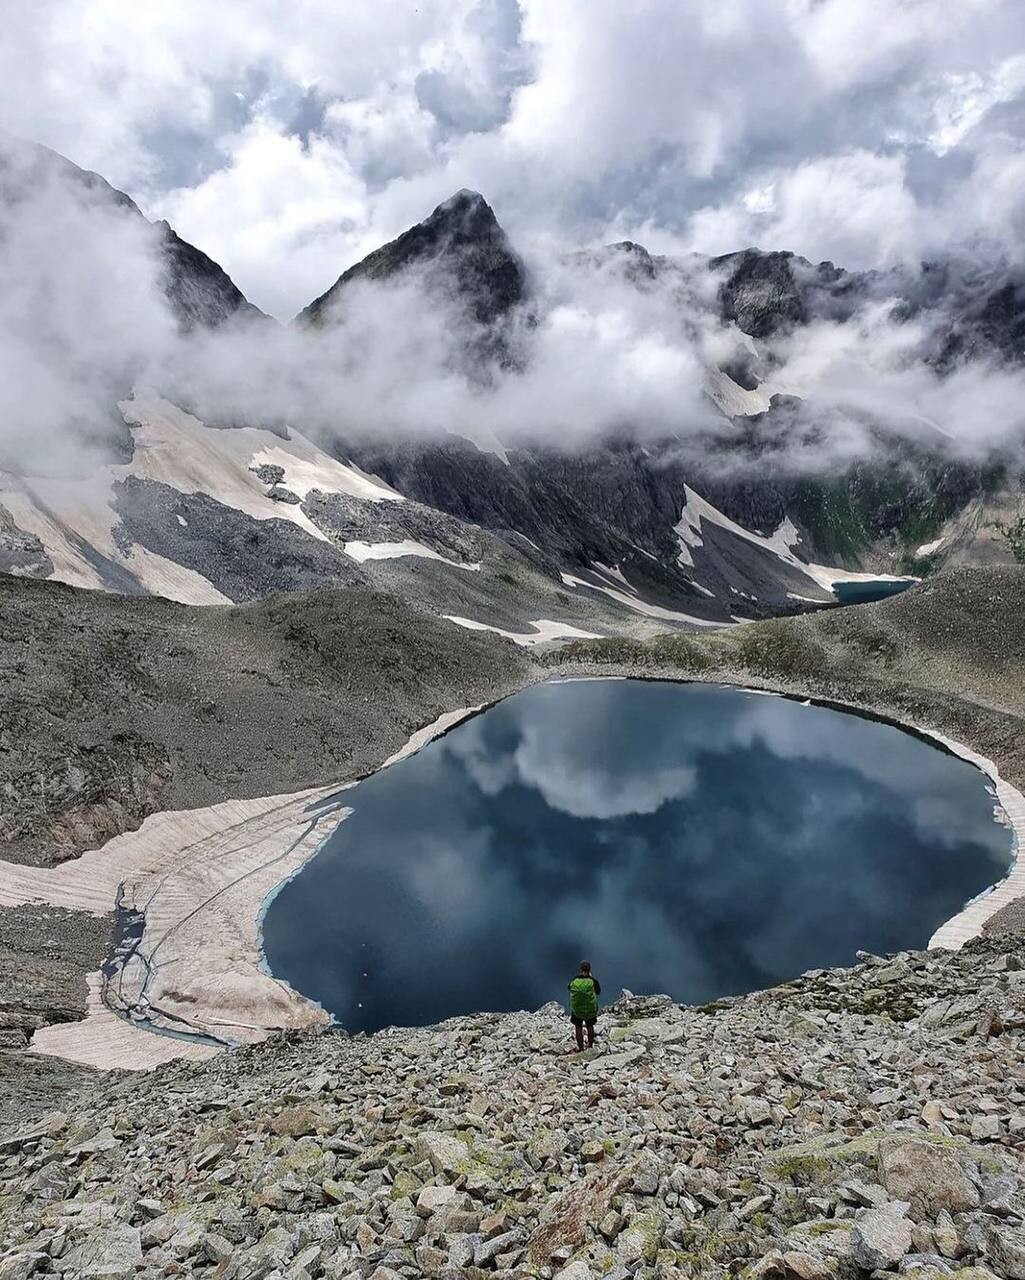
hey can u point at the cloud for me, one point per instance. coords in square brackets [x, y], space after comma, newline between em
[822, 122]
[601, 348]
[855, 208]
[81, 313]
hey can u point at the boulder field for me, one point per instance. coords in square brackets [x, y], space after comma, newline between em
[851, 1123]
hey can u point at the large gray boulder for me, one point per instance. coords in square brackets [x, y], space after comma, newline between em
[929, 1176]
[111, 1253]
[1007, 1251]
[880, 1239]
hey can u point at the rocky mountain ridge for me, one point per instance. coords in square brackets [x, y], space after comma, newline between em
[638, 529]
[462, 242]
[199, 291]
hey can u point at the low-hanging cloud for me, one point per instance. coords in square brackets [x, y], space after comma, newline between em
[288, 141]
[599, 349]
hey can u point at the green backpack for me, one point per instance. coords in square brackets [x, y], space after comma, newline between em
[583, 1003]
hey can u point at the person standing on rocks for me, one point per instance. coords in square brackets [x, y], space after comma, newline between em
[584, 991]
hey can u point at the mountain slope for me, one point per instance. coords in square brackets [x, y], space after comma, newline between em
[116, 708]
[619, 535]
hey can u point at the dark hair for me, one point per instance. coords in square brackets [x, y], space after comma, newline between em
[585, 966]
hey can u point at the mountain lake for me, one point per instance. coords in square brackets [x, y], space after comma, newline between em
[684, 838]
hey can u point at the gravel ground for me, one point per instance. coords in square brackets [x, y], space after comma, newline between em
[854, 1124]
[45, 953]
[1008, 920]
[115, 708]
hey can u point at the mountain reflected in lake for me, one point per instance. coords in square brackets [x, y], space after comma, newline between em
[684, 838]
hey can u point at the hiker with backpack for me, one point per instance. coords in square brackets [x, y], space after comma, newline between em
[584, 991]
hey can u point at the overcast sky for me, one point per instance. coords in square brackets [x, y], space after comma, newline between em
[287, 138]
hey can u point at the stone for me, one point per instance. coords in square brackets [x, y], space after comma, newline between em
[645, 1178]
[985, 1128]
[49, 1126]
[446, 1153]
[1000, 1193]
[757, 1204]
[944, 1233]
[494, 1224]
[925, 1265]
[870, 1195]
[274, 1251]
[612, 1062]
[880, 1239]
[296, 1122]
[461, 1250]
[404, 1223]
[432, 1199]
[103, 1141]
[567, 1216]
[611, 1225]
[112, 1253]
[19, 1266]
[806, 1266]
[769, 1267]
[756, 1111]
[827, 1238]
[928, 1176]
[1007, 1250]
[488, 1250]
[576, 1271]
[216, 1248]
[639, 1240]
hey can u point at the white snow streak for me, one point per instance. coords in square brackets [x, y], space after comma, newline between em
[631, 600]
[363, 551]
[780, 543]
[544, 629]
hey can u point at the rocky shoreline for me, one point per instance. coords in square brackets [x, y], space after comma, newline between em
[853, 1123]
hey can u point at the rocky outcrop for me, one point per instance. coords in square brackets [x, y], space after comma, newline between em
[200, 293]
[242, 557]
[346, 518]
[460, 244]
[781, 1135]
[21, 553]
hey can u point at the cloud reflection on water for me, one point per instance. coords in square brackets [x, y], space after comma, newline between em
[687, 839]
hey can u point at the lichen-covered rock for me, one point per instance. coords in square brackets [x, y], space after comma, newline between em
[930, 1176]
[1007, 1251]
[880, 1239]
[111, 1253]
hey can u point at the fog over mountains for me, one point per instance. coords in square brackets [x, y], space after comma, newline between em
[597, 440]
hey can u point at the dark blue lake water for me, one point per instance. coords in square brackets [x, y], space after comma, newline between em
[866, 592]
[683, 838]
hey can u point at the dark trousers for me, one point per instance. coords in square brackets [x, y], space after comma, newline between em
[578, 1027]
